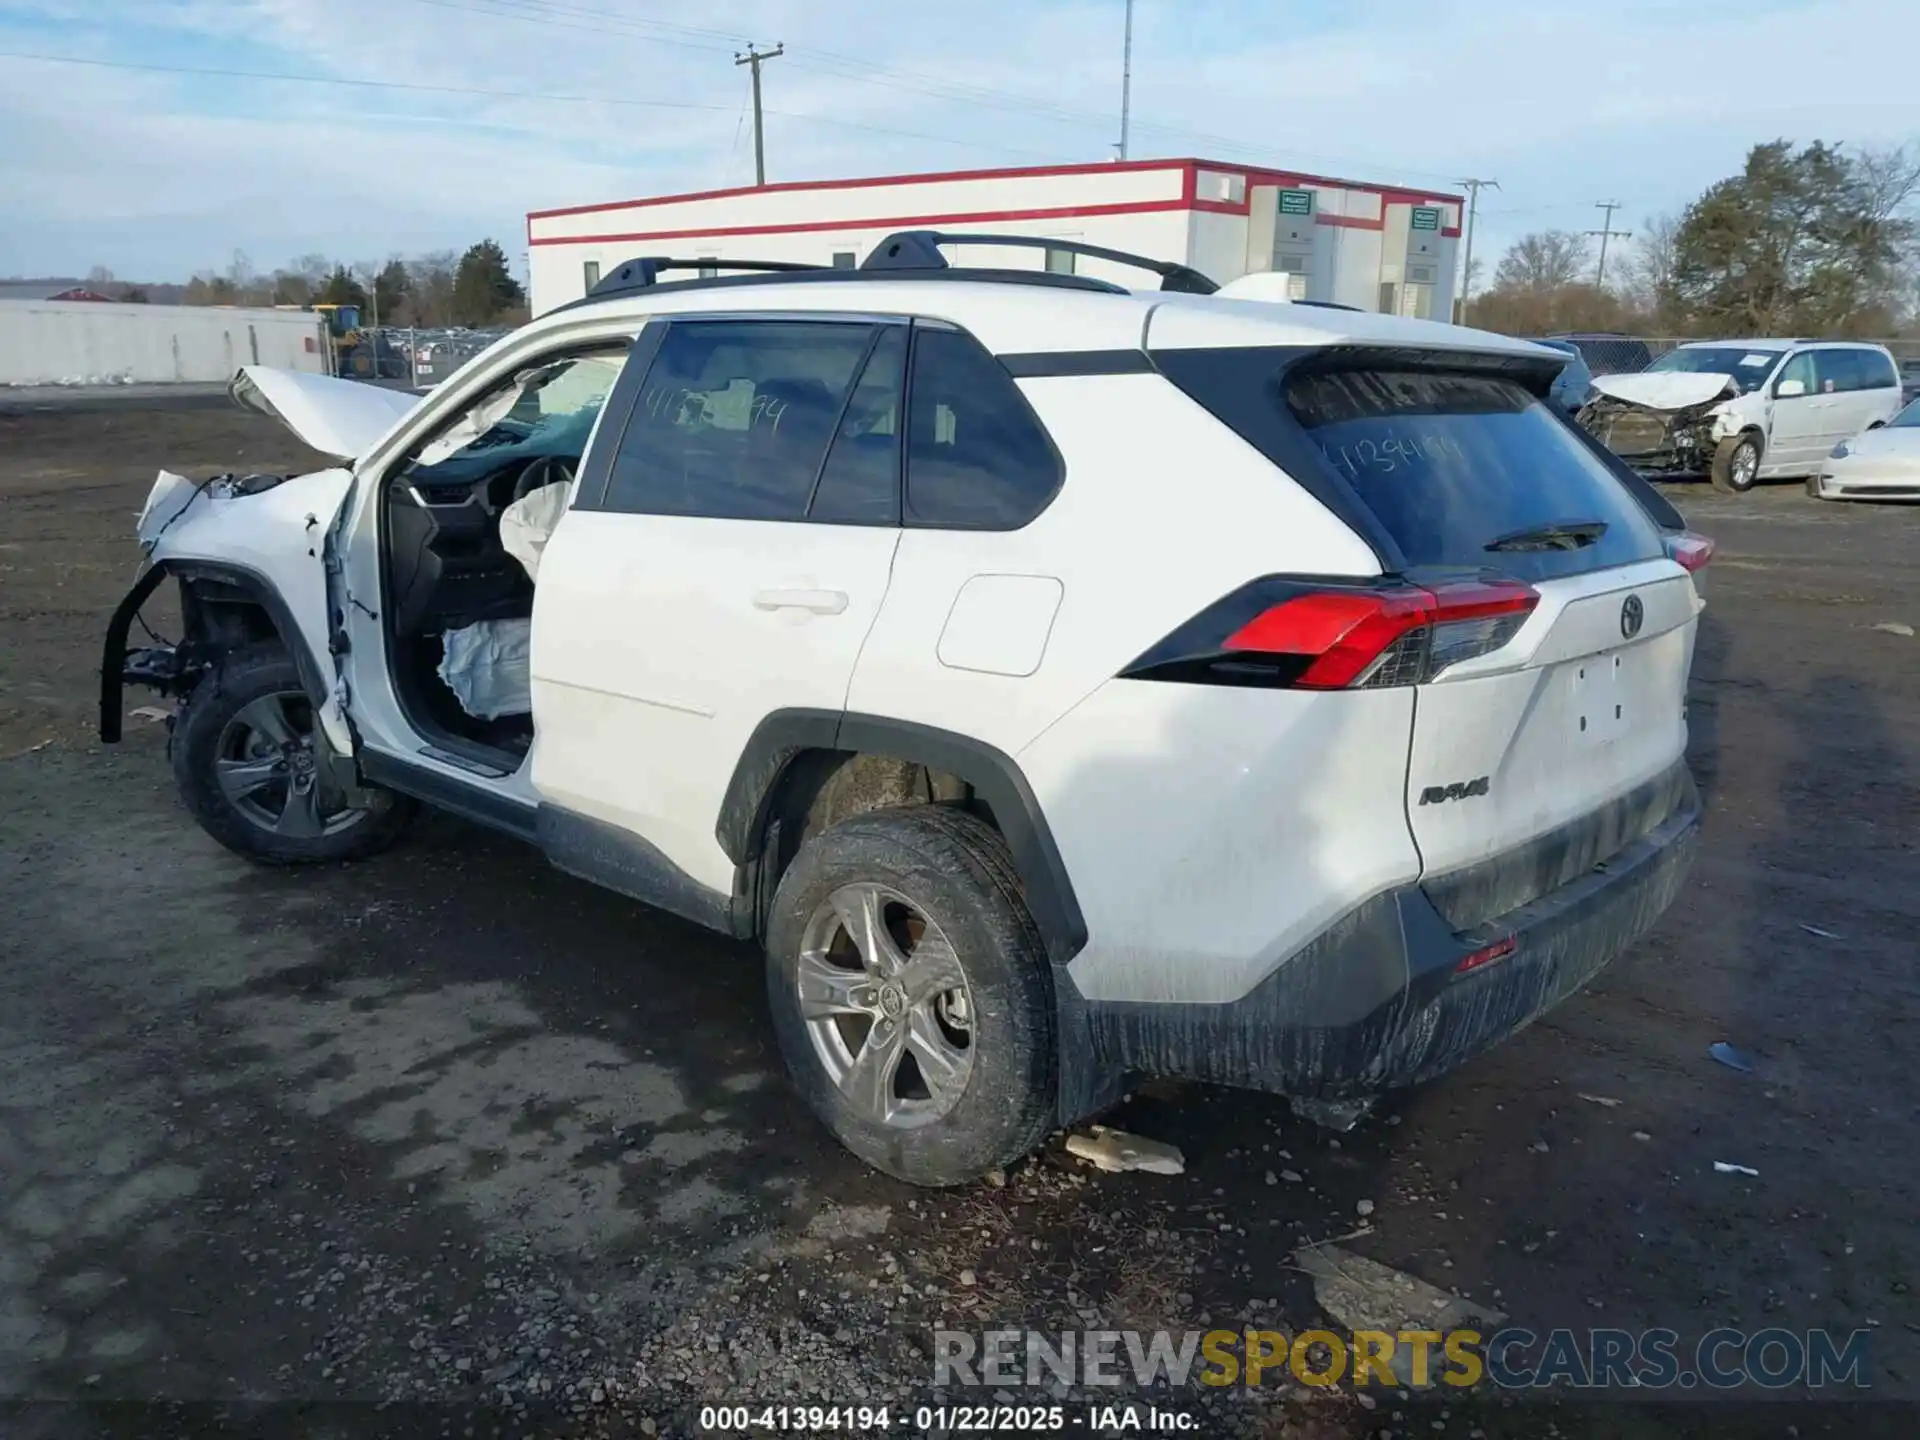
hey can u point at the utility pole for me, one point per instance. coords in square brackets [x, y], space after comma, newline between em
[753, 57]
[1126, 81]
[1473, 189]
[1606, 232]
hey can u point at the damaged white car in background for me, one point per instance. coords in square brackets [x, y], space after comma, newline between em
[1745, 410]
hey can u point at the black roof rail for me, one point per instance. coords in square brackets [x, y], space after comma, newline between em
[789, 273]
[920, 250]
[639, 274]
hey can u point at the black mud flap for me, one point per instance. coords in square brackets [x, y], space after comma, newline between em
[113, 658]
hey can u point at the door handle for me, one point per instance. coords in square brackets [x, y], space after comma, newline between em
[820, 602]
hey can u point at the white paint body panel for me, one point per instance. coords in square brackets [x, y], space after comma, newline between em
[1663, 389]
[1211, 832]
[1565, 717]
[660, 643]
[342, 418]
[1112, 537]
[275, 534]
[999, 624]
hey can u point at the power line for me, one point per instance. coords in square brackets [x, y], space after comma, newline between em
[232, 74]
[919, 83]
[756, 58]
[1606, 232]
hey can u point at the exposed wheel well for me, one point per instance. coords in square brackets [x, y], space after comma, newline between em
[803, 768]
[819, 788]
[220, 615]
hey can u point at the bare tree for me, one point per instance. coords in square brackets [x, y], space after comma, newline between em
[1547, 260]
[1645, 277]
[1888, 176]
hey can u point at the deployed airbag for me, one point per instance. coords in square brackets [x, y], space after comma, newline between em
[527, 524]
[486, 664]
[486, 667]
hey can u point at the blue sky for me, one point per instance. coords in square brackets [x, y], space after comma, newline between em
[156, 174]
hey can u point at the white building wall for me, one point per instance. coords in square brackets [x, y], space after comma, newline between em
[50, 342]
[1215, 218]
[1217, 245]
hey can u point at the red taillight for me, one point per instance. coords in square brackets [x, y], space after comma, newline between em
[1397, 636]
[1499, 950]
[1690, 551]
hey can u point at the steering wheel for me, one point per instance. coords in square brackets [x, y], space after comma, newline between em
[547, 470]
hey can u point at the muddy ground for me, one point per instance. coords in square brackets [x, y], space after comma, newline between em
[344, 1152]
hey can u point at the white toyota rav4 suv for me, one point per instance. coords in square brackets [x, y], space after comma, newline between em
[1063, 683]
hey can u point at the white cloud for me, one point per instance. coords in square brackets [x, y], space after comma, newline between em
[157, 174]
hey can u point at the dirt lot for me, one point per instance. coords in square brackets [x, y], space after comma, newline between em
[450, 1128]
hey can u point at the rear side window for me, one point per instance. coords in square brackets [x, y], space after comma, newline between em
[1837, 371]
[735, 418]
[1471, 471]
[977, 457]
[1876, 371]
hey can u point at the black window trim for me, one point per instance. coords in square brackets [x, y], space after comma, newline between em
[833, 442]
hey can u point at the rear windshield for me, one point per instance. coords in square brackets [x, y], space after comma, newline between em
[1471, 470]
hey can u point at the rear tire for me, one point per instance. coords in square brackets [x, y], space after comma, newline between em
[935, 1076]
[1736, 464]
[243, 757]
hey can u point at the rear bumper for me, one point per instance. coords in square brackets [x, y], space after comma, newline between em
[1377, 1001]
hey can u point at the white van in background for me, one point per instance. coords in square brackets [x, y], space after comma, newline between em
[1744, 410]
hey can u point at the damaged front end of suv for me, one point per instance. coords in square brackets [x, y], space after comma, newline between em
[1663, 425]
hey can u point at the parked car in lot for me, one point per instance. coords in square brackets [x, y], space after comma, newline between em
[1062, 683]
[1573, 386]
[1740, 411]
[437, 354]
[1881, 464]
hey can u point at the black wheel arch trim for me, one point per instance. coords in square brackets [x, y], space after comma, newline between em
[252, 583]
[996, 779]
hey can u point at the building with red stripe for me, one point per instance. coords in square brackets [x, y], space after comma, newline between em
[1373, 246]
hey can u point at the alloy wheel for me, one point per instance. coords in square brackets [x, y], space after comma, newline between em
[267, 766]
[887, 1005]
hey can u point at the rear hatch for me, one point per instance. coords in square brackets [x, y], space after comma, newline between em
[1550, 675]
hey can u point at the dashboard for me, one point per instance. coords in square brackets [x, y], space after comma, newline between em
[445, 563]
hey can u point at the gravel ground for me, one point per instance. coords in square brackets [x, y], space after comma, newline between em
[449, 1142]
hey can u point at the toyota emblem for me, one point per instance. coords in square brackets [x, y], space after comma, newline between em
[1632, 614]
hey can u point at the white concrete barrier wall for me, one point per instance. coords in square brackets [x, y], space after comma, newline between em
[88, 342]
